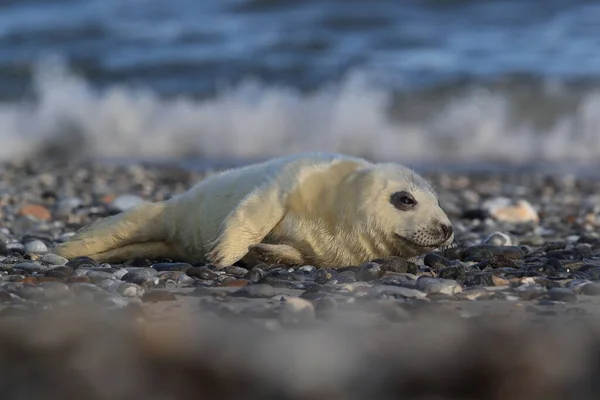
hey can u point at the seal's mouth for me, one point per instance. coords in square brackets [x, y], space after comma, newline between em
[420, 245]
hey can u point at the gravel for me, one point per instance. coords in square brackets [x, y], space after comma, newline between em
[527, 250]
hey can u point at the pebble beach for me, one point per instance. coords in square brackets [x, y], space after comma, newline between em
[509, 311]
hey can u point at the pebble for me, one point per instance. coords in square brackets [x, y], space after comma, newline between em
[36, 247]
[437, 285]
[562, 294]
[258, 290]
[125, 202]
[369, 272]
[296, 311]
[53, 259]
[181, 267]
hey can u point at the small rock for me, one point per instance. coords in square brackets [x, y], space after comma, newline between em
[53, 259]
[259, 290]
[82, 262]
[437, 285]
[236, 271]
[62, 272]
[127, 289]
[161, 267]
[369, 271]
[325, 275]
[126, 202]
[36, 211]
[396, 291]
[295, 311]
[202, 273]
[503, 209]
[29, 267]
[36, 247]
[562, 294]
[255, 274]
[590, 289]
[498, 239]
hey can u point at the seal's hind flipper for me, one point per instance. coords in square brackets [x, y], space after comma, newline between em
[150, 250]
[144, 223]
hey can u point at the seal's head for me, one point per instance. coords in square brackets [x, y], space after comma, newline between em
[404, 210]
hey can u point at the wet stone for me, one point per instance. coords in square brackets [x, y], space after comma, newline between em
[35, 247]
[259, 290]
[437, 285]
[296, 311]
[254, 275]
[498, 239]
[278, 277]
[346, 277]
[435, 261]
[591, 289]
[395, 291]
[180, 267]
[325, 275]
[479, 279]
[201, 273]
[455, 272]
[62, 272]
[562, 294]
[238, 272]
[369, 271]
[127, 289]
[53, 259]
[176, 278]
[82, 262]
[54, 291]
[29, 267]
[15, 247]
[392, 264]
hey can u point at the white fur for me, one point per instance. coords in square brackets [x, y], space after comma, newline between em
[321, 209]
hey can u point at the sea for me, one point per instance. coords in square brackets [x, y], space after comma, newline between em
[425, 82]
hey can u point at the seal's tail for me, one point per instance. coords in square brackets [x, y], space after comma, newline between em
[142, 227]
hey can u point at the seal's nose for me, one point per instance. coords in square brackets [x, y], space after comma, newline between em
[446, 231]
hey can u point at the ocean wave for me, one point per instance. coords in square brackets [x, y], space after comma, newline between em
[68, 117]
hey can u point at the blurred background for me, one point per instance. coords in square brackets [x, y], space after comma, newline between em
[438, 81]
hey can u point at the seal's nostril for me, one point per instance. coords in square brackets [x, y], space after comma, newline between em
[446, 230]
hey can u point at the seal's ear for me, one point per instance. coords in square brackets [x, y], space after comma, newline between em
[403, 201]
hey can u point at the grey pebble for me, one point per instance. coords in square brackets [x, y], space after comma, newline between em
[120, 273]
[590, 289]
[389, 290]
[125, 202]
[30, 267]
[296, 311]
[259, 290]
[127, 289]
[369, 271]
[562, 294]
[498, 239]
[35, 247]
[438, 285]
[55, 290]
[238, 272]
[161, 267]
[53, 259]
[175, 278]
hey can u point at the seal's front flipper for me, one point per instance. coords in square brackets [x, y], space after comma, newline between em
[273, 254]
[248, 224]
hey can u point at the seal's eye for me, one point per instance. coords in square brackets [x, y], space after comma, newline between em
[403, 201]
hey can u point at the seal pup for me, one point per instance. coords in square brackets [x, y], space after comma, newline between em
[326, 210]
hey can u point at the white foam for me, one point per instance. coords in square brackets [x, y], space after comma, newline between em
[253, 120]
